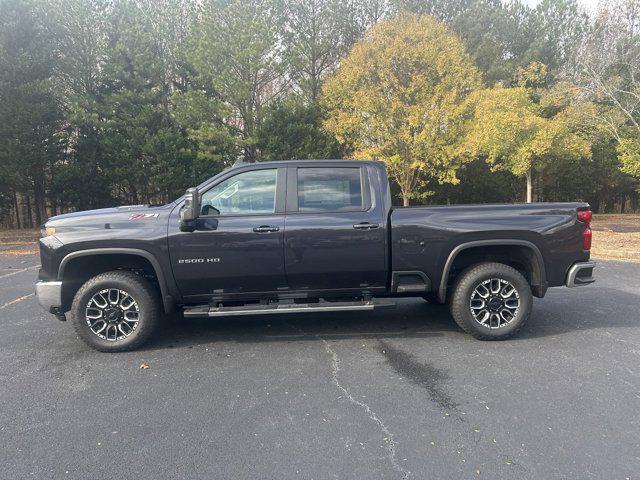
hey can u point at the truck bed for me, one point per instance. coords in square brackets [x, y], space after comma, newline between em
[425, 238]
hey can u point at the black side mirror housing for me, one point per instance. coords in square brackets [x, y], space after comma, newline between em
[191, 210]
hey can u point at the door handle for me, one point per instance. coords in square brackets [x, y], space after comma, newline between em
[265, 229]
[365, 226]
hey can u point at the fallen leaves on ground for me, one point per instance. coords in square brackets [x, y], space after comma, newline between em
[28, 251]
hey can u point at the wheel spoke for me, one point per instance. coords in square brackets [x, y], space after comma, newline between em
[127, 302]
[507, 291]
[99, 300]
[93, 313]
[506, 315]
[512, 303]
[114, 296]
[482, 291]
[104, 325]
[477, 304]
[125, 331]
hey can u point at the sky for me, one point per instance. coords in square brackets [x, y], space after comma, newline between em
[589, 5]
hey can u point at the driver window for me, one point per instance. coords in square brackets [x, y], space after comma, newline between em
[248, 193]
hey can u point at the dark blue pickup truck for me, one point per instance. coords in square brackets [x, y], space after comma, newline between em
[304, 236]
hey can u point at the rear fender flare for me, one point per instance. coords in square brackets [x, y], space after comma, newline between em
[542, 281]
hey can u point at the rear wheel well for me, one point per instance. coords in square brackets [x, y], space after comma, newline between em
[521, 257]
[80, 269]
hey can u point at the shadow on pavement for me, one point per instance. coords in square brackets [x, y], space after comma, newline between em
[551, 316]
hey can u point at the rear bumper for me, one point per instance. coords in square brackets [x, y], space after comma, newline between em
[49, 295]
[580, 274]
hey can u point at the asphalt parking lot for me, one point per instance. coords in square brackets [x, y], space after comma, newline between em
[395, 394]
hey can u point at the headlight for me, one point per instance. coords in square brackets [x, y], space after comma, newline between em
[47, 231]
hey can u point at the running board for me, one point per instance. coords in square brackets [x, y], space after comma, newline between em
[276, 308]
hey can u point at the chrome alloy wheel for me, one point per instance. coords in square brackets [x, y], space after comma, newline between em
[112, 314]
[494, 303]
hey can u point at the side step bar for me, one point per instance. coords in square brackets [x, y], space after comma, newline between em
[276, 308]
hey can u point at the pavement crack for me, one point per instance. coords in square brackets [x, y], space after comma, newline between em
[388, 436]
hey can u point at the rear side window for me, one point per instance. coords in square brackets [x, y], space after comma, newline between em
[329, 190]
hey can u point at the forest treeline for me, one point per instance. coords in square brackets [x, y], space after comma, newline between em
[107, 102]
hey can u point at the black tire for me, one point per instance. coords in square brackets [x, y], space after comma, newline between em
[461, 301]
[139, 289]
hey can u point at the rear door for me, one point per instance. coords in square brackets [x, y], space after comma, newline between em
[335, 232]
[237, 247]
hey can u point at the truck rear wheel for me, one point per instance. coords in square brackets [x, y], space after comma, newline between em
[115, 311]
[491, 301]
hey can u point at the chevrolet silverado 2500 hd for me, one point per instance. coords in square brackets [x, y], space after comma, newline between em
[304, 236]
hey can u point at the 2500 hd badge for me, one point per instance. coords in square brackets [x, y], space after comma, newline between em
[198, 260]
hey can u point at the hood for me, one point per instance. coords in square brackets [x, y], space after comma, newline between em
[103, 211]
[116, 218]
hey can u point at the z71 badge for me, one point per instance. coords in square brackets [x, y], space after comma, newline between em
[138, 216]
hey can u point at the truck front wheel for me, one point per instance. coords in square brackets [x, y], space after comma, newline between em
[115, 311]
[491, 301]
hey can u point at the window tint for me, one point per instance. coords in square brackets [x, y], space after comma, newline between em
[329, 190]
[247, 193]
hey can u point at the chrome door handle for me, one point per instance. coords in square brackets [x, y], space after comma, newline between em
[265, 229]
[365, 226]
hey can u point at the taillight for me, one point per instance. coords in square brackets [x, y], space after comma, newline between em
[585, 217]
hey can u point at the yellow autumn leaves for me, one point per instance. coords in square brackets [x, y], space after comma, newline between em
[409, 95]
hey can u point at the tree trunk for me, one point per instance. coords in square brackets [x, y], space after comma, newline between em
[38, 202]
[29, 212]
[17, 207]
[529, 186]
[405, 201]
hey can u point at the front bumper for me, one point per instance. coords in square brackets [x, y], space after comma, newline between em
[49, 295]
[580, 274]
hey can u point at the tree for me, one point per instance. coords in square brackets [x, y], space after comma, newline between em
[609, 72]
[318, 34]
[398, 96]
[145, 153]
[521, 136]
[237, 56]
[557, 28]
[292, 129]
[79, 32]
[30, 116]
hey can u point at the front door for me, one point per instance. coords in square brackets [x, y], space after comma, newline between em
[237, 247]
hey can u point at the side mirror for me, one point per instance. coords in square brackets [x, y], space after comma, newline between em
[191, 210]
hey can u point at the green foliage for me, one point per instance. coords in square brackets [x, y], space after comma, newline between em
[237, 58]
[293, 130]
[502, 36]
[30, 116]
[318, 34]
[213, 141]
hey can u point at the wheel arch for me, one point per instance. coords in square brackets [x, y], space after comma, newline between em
[535, 262]
[103, 253]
